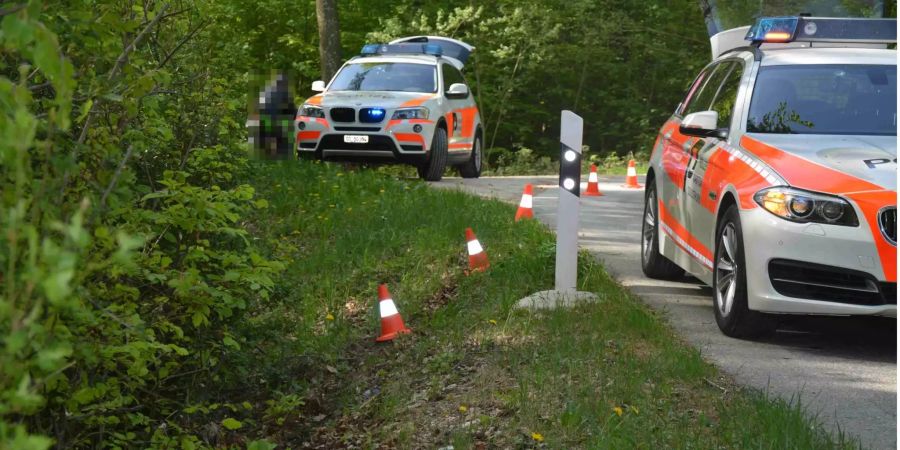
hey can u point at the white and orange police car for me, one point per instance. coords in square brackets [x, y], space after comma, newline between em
[775, 180]
[403, 102]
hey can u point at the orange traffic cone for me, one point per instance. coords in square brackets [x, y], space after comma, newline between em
[593, 190]
[525, 211]
[478, 260]
[631, 180]
[391, 322]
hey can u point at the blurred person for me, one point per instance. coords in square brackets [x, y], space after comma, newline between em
[276, 110]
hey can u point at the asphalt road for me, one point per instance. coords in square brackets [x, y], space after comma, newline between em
[843, 369]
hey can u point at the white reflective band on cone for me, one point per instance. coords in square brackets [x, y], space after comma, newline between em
[387, 308]
[632, 172]
[592, 177]
[526, 201]
[474, 247]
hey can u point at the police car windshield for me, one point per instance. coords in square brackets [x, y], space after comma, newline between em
[386, 76]
[825, 99]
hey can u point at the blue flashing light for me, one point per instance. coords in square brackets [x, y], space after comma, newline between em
[371, 115]
[370, 49]
[432, 49]
[773, 29]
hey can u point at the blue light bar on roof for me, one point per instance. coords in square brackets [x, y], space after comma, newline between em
[370, 49]
[823, 29]
[405, 48]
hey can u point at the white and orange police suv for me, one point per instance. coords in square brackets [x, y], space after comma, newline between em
[775, 180]
[403, 102]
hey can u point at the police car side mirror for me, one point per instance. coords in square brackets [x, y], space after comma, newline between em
[318, 86]
[458, 90]
[702, 124]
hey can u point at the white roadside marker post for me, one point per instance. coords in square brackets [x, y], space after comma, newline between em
[568, 209]
[569, 205]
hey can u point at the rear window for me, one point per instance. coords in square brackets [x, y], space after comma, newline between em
[825, 99]
[385, 76]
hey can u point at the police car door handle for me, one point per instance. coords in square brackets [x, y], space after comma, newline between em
[668, 135]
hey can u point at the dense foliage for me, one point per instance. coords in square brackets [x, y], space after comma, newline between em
[124, 259]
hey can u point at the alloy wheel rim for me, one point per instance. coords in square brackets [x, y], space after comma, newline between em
[649, 232]
[726, 270]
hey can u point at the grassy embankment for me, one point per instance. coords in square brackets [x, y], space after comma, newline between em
[475, 372]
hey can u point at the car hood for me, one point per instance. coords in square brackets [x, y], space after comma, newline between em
[862, 163]
[383, 99]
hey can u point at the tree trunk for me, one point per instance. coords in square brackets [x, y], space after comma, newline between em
[329, 37]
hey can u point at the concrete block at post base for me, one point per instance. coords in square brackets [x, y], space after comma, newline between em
[553, 299]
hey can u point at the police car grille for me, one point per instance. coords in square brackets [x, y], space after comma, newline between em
[376, 143]
[343, 114]
[812, 281]
[887, 222]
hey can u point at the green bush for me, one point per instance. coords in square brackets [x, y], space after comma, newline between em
[523, 161]
[124, 259]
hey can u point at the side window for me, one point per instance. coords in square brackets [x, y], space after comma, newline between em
[727, 96]
[704, 99]
[451, 75]
[695, 85]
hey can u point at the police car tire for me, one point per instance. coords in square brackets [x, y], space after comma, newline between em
[653, 263]
[306, 156]
[739, 321]
[433, 169]
[470, 169]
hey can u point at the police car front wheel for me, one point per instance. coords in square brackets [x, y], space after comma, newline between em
[433, 169]
[733, 316]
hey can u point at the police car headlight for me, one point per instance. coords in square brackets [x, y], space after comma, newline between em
[410, 113]
[311, 111]
[804, 207]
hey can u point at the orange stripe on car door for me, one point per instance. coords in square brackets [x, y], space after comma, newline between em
[449, 118]
[674, 159]
[684, 234]
[467, 121]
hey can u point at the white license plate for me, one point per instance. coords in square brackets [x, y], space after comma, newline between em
[356, 139]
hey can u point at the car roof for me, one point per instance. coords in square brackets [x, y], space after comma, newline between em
[836, 55]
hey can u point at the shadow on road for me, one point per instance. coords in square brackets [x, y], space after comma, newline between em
[858, 338]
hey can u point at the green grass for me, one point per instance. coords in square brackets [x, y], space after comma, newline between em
[475, 372]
